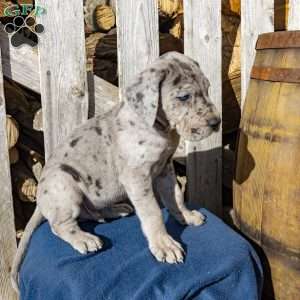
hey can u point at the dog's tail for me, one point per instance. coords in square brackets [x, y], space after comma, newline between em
[33, 223]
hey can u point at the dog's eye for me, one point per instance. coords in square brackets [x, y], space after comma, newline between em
[184, 97]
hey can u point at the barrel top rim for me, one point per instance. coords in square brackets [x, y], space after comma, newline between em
[278, 40]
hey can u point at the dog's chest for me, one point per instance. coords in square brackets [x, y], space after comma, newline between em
[164, 158]
[161, 163]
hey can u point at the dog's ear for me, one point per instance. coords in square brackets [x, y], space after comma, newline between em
[143, 95]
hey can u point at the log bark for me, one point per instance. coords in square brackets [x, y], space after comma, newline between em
[32, 119]
[32, 140]
[90, 46]
[13, 155]
[177, 29]
[34, 162]
[15, 98]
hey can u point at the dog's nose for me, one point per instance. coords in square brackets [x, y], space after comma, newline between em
[214, 123]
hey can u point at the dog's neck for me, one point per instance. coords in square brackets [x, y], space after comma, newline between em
[162, 124]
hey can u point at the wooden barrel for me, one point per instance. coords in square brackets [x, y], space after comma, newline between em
[267, 177]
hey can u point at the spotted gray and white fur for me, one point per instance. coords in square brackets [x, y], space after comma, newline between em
[126, 153]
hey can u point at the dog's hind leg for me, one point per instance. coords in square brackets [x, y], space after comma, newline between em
[60, 201]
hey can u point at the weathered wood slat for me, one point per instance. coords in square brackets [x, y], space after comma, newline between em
[20, 64]
[26, 72]
[256, 17]
[8, 244]
[294, 15]
[203, 42]
[64, 89]
[138, 39]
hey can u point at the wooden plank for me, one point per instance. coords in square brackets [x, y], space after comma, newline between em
[138, 39]
[20, 64]
[62, 61]
[294, 15]
[203, 40]
[257, 17]
[26, 72]
[7, 233]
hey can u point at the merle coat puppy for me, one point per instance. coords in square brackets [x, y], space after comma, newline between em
[126, 153]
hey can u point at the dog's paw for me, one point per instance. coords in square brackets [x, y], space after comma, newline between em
[85, 242]
[193, 217]
[165, 249]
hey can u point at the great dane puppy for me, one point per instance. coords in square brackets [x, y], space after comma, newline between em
[126, 153]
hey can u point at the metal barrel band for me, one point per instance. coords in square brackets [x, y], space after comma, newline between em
[276, 74]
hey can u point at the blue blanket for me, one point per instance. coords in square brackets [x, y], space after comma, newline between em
[219, 264]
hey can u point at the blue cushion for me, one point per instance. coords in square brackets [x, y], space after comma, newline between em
[219, 264]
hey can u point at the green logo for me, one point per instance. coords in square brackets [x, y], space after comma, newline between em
[24, 10]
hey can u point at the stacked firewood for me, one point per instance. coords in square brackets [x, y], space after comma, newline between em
[171, 17]
[101, 34]
[26, 148]
[100, 15]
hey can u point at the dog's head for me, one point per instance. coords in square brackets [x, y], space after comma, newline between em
[174, 92]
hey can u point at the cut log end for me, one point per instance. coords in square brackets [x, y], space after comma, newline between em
[27, 190]
[171, 8]
[105, 17]
[19, 234]
[38, 120]
[12, 131]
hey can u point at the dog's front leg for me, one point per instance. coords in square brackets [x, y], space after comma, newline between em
[138, 185]
[172, 197]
